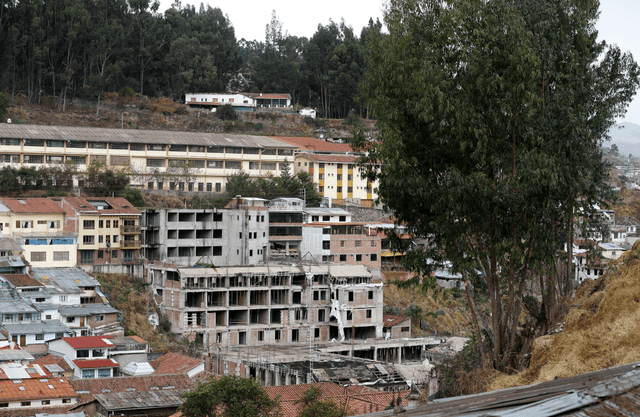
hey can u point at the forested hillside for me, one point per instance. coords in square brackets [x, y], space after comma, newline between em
[83, 48]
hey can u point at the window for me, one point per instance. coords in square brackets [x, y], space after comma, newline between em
[103, 373]
[350, 295]
[88, 373]
[99, 317]
[40, 337]
[100, 239]
[373, 243]
[233, 165]
[114, 254]
[261, 336]
[374, 257]
[86, 256]
[358, 243]
[268, 166]
[405, 329]
[342, 243]
[84, 353]
[343, 258]
[277, 335]
[155, 162]
[370, 295]
[25, 403]
[115, 224]
[38, 256]
[76, 159]
[100, 253]
[326, 244]
[316, 333]
[321, 315]
[89, 224]
[88, 239]
[118, 160]
[369, 314]
[46, 402]
[295, 335]
[349, 315]
[116, 238]
[359, 257]
[63, 298]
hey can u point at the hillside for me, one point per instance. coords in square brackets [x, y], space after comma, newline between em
[117, 111]
[602, 328]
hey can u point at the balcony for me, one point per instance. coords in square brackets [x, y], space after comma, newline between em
[130, 244]
[129, 230]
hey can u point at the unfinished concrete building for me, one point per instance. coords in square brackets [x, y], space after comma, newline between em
[285, 226]
[250, 306]
[237, 235]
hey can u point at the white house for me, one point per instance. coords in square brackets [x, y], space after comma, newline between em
[240, 101]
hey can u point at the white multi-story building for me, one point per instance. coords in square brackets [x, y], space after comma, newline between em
[155, 160]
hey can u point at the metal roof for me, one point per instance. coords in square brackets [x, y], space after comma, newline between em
[593, 393]
[46, 326]
[94, 134]
[86, 309]
[140, 400]
[16, 307]
[69, 279]
[15, 355]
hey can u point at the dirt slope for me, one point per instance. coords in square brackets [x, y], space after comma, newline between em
[602, 328]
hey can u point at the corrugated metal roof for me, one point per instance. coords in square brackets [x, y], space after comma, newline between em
[94, 134]
[15, 355]
[140, 400]
[47, 326]
[65, 278]
[86, 309]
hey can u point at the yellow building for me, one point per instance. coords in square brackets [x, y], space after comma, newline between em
[38, 225]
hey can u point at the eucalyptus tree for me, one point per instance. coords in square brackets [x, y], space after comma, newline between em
[491, 115]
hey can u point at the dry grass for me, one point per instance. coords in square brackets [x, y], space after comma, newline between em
[602, 328]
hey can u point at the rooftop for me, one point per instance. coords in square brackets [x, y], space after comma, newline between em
[315, 144]
[35, 389]
[22, 280]
[46, 326]
[95, 363]
[31, 205]
[106, 206]
[93, 134]
[84, 342]
[172, 363]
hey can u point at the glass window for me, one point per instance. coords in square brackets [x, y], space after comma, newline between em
[104, 373]
[88, 373]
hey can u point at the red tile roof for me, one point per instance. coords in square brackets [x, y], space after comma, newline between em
[32, 411]
[357, 400]
[172, 363]
[119, 205]
[34, 389]
[96, 363]
[32, 205]
[138, 339]
[83, 342]
[315, 144]
[22, 280]
[331, 158]
[51, 359]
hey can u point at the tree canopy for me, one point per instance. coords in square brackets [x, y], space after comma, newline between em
[491, 117]
[229, 396]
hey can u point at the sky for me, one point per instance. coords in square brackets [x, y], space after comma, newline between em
[618, 23]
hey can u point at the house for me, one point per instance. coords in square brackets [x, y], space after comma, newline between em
[57, 365]
[89, 355]
[108, 233]
[610, 250]
[396, 327]
[90, 319]
[70, 286]
[239, 101]
[129, 349]
[88, 389]
[173, 363]
[32, 387]
[37, 224]
[22, 323]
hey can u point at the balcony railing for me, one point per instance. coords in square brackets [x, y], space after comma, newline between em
[129, 229]
[130, 243]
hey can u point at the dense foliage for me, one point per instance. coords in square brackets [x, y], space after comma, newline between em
[230, 396]
[286, 185]
[491, 117]
[81, 47]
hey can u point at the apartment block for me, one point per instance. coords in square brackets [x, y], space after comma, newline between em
[37, 224]
[108, 233]
[236, 235]
[249, 306]
[156, 160]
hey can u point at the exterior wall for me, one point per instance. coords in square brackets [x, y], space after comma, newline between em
[53, 402]
[224, 237]
[259, 308]
[40, 223]
[236, 100]
[55, 255]
[159, 166]
[337, 180]
[345, 249]
[312, 243]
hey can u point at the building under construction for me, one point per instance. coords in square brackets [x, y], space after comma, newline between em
[270, 304]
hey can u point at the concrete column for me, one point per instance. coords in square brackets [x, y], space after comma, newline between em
[375, 353]
[399, 354]
[278, 379]
[287, 379]
[298, 379]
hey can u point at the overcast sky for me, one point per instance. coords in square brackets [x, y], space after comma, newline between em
[618, 22]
